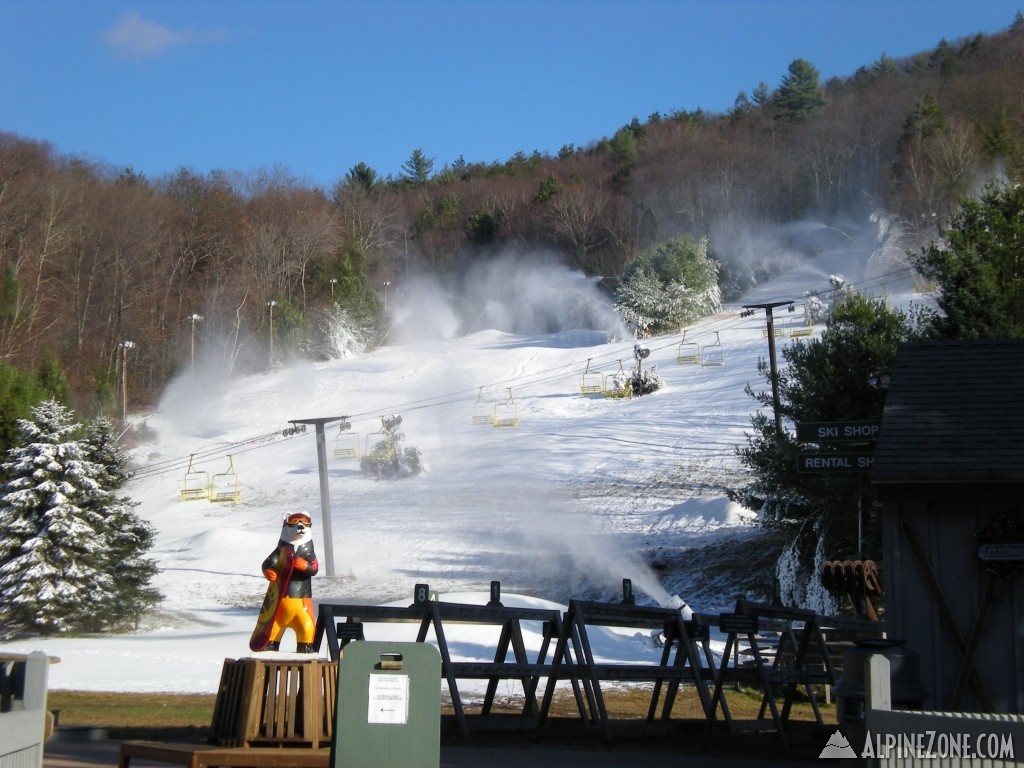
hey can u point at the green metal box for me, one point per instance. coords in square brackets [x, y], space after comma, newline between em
[388, 712]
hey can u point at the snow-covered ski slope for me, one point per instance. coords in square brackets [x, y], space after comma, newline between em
[584, 492]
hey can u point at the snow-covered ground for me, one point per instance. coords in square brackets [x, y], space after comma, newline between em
[584, 492]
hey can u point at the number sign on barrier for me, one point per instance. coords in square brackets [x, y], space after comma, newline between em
[737, 623]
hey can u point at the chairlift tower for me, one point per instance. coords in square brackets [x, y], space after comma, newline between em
[768, 307]
[325, 494]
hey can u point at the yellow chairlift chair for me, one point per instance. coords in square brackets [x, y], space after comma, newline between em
[506, 414]
[592, 382]
[224, 486]
[617, 384]
[380, 446]
[688, 352]
[802, 327]
[713, 354]
[483, 410]
[346, 444]
[195, 485]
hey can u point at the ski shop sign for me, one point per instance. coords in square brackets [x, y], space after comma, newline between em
[837, 431]
[827, 432]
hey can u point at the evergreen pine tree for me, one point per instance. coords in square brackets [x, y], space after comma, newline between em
[978, 263]
[417, 169]
[800, 93]
[72, 552]
[51, 535]
[128, 537]
[669, 285]
[834, 378]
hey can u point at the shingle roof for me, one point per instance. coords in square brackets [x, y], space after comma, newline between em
[954, 413]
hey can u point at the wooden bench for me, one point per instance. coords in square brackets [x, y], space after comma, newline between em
[205, 756]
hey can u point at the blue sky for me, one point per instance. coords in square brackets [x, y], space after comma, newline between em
[317, 86]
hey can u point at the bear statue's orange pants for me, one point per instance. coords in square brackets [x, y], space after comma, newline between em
[295, 613]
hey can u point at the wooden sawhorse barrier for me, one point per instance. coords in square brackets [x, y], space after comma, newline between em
[808, 662]
[434, 615]
[691, 662]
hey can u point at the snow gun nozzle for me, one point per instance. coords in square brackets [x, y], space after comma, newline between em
[677, 602]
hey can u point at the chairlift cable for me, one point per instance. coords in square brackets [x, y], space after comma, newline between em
[524, 381]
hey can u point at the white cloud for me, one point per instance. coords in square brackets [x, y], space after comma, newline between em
[133, 37]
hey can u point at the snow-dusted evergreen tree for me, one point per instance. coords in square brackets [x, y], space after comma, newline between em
[51, 547]
[129, 537]
[669, 285]
[60, 531]
[641, 300]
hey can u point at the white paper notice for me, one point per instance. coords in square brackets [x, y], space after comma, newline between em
[388, 700]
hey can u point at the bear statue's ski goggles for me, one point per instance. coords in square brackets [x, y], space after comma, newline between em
[298, 519]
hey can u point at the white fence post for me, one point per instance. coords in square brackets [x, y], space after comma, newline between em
[879, 695]
[945, 733]
[23, 729]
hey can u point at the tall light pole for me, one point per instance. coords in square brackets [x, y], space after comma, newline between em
[125, 346]
[333, 281]
[271, 304]
[387, 284]
[194, 317]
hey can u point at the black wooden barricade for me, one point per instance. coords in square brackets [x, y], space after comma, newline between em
[680, 660]
[765, 628]
[840, 633]
[434, 615]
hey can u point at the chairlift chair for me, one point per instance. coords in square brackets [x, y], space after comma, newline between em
[688, 352]
[803, 328]
[713, 354]
[346, 444]
[195, 485]
[483, 410]
[380, 446]
[617, 384]
[506, 414]
[224, 486]
[592, 382]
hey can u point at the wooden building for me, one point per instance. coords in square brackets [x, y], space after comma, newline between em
[949, 470]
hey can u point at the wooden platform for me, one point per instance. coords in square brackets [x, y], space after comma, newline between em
[204, 756]
[275, 703]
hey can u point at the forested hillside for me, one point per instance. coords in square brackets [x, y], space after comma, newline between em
[241, 269]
